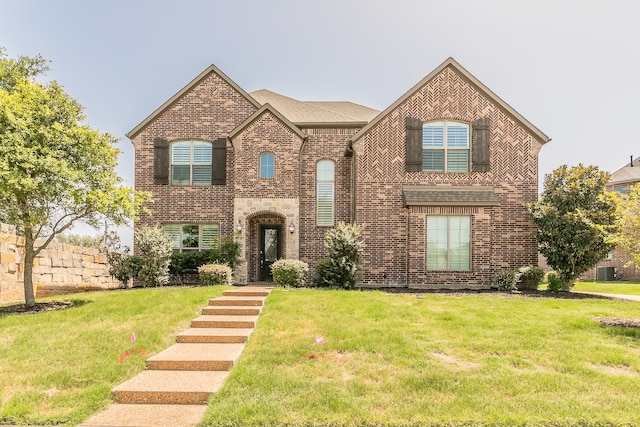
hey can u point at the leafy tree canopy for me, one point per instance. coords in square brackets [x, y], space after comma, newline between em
[575, 219]
[55, 169]
[628, 235]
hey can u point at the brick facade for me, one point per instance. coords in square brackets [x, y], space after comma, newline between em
[370, 175]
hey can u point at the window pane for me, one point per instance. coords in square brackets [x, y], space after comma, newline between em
[433, 134]
[210, 236]
[458, 161]
[267, 166]
[436, 243]
[174, 231]
[325, 170]
[201, 152]
[181, 152]
[459, 243]
[433, 160]
[180, 175]
[457, 134]
[190, 236]
[325, 204]
[201, 175]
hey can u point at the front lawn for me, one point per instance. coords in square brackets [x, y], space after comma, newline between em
[59, 367]
[628, 288]
[485, 359]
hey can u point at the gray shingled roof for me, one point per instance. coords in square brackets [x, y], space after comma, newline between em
[627, 173]
[308, 112]
[449, 196]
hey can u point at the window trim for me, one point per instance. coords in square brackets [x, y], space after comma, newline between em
[180, 239]
[445, 147]
[273, 165]
[332, 183]
[448, 249]
[192, 164]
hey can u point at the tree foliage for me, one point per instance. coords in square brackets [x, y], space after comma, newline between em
[345, 248]
[628, 235]
[156, 248]
[55, 169]
[575, 219]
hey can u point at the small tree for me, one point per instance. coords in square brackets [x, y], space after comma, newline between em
[628, 235]
[155, 248]
[575, 219]
[345, 248]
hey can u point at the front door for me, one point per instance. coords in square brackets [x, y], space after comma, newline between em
[269, 252]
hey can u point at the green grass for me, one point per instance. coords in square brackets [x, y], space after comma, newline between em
[488, 359]
[59, 367]
[628, 288]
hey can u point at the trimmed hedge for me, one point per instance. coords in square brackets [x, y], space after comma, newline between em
[290, 273]
[215, 274]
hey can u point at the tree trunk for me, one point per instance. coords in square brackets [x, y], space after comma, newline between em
[29, 255]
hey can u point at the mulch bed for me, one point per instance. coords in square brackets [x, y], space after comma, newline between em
[38, 308]
[617, 321]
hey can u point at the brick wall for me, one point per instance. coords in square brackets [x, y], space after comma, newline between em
[58, 269]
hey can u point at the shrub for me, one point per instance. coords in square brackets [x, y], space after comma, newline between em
[345, 248]
[322, 270]
[125, 268]
[156, 248]
[505, 280]
[529, 278]
[554, 283]
[188, 262]
[289, 273]
[228, 253]
[215, 274]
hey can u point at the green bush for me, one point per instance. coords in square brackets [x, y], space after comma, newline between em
[228, 253]
[156, 248]
[290, 273]
[505, 280]
[345, 247]
[124, 268]
[323, 268]
[529, 278]
[215, 274]
[554, 283]
[188, 262]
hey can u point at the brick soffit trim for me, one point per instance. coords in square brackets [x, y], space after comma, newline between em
[452, 63]
[211, 69]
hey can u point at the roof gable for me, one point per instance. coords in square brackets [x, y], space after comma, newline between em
[456, 67]
[629, 173]
[195, 82]
[264, 109]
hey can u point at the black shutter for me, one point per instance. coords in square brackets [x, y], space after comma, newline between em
[414, 145]
[219, 162]
[160, 161]
[480, 146]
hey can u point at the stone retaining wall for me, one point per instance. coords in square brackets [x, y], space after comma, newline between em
[58, 269]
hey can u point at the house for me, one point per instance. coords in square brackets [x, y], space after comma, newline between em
[439, 180]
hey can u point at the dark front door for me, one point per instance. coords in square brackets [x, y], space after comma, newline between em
[269, 253]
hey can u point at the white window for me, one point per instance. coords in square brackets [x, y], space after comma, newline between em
[191, 163]
[267, 166]
[193, 237]
[448, 243]
[445, 146]
[325, 188]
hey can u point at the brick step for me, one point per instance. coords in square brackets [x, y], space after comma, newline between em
[196, 357]
[243, 301]
[214, 335]
[219, 321]
[147, 415]
[247, 292]
[170, 387]
[233, 310]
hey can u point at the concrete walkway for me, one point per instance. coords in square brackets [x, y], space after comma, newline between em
[178, 382]
[614, 296]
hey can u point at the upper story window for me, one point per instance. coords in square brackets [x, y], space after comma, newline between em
[191, 163]
[325, 189]
[621, 188]
[445, 146]
[193, 237]
[267, 166]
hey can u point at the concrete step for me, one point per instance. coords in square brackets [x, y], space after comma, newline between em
[141, 415]
[242, 301]
[196, 357]
[220, 321]
[214, 335]
[170, 387]
[247, 291]
[232, 310]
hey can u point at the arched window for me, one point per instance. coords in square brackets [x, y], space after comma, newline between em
[191, 163]
[445, 146]
[267, 166]
[325, 189]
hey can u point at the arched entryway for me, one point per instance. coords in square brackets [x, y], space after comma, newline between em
[266, 243]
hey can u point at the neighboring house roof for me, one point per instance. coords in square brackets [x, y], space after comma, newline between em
[415, 195]
[309, 113]
[452, 63]
[211, 69]
[266, 108]
[629, 173]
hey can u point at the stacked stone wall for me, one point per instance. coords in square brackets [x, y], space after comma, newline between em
[58, 269]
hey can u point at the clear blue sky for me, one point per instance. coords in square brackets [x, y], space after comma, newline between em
[569, 66]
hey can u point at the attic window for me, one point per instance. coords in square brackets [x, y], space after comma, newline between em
[445, 146]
